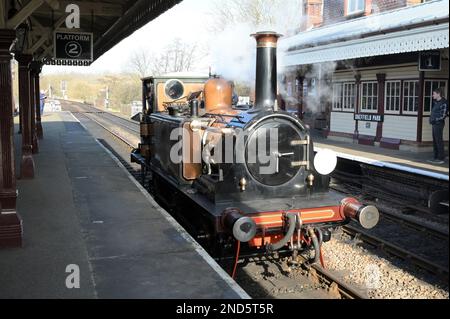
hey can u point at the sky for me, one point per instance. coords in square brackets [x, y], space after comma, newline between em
[187, 20]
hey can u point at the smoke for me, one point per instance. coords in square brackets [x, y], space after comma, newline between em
[233, 50]
[233, 53]
[322, 93]
[318, 79]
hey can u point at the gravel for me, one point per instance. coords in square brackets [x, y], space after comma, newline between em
[383, 277]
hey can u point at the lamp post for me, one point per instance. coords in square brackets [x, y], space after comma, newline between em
[107, 97]
[21, 38]
[37, 67]
[64, 89]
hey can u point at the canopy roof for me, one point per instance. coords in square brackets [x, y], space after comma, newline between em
[110, 21]
[408, 29]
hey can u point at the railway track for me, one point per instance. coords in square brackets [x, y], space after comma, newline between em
[130, 125]
[423, 194]
[437, 227]
[119, 127]
[344, 290]
[111, 131]
[271, 277]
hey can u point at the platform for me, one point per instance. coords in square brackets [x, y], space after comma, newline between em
[395, 159]
[84, 209]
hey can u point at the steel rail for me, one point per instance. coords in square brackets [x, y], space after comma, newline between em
[117, 120]
[432, 231]
[345, 290]
[129, 144]
[88, 109]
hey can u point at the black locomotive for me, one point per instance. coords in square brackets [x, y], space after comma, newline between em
[229, 174]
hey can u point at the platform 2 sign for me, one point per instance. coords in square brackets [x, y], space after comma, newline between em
[73, 46]
[369, 117]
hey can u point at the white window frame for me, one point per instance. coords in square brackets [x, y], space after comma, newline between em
[289, 89]
[365, 110]
[346, 98]
[356, 4]
[416, 96]
[431, 97]
[297, 86]
[335, 85]
[387, 98]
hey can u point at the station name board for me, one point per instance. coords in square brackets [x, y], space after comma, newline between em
[369, 117]
[73, 46]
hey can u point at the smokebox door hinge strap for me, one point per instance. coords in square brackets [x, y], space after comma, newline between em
[305, 143]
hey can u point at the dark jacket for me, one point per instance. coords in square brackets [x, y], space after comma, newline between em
[439, 111]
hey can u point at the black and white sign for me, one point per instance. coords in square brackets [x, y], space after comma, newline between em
[430, 61]
[369, 117]
[73, 45]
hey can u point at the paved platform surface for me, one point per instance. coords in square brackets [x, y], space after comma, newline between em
[83, 209]
[405, 158]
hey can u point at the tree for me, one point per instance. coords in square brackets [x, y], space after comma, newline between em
[140, 62]
[178, 56]
[284, 15]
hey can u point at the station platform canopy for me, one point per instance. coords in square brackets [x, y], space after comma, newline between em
[109, 21]
[409, 29]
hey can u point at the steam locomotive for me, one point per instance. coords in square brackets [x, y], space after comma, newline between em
[235, 175]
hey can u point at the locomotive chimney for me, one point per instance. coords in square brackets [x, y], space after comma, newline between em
[266, 69]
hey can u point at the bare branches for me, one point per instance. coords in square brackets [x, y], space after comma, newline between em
[178, 56]
[140, 62]
[257, 13]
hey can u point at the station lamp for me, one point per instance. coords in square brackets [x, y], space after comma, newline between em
[21, 38]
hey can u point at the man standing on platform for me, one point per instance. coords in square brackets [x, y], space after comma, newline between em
[437, 120]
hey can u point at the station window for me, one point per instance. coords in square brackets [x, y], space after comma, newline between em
[410, 97]
[392, 97]
[349, 97]
[369, 97]
[337, 97]
[355, 6]
[289, 89]
[430, 85]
